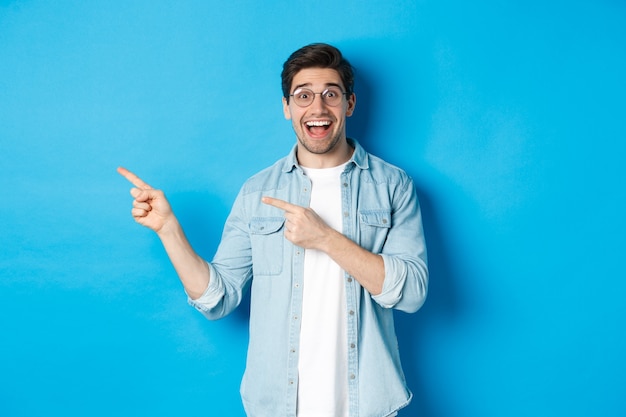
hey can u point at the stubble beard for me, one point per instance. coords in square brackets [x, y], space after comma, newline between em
[319, 148]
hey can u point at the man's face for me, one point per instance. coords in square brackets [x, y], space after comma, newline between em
[320, 128]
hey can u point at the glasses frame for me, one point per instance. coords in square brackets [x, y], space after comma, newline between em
[313, 94]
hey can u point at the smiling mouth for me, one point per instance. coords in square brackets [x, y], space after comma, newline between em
[318, 127]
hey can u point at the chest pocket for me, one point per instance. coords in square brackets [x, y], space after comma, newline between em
[374, 227]
[267, 240]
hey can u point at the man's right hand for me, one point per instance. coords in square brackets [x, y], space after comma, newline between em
[150, 207]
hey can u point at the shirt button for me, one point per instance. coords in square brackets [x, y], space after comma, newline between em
[346, 214]
[352, 376]
[352, 345]
[295, 317]
[297, 285]
[351, 312]
[345, 184]
[349, 279]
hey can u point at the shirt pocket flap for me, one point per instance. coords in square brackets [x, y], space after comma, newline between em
[266, 225]
[379, 218]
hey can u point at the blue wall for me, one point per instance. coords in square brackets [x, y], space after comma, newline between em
[510, 116]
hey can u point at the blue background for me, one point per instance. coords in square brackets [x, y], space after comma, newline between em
[509, 115]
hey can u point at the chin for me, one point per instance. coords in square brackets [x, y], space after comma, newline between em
[319, 146]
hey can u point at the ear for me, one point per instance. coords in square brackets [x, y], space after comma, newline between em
[351, 105]
[286, 110]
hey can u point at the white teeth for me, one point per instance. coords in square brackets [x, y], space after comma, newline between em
[318, 123]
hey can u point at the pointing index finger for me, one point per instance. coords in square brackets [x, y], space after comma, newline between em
[281, 204]
[134, 179]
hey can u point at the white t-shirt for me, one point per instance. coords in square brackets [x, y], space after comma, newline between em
[323, 359]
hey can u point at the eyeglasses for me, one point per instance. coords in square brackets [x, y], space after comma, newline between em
[304, 97]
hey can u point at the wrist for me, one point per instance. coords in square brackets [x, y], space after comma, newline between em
[170, 227]
[332, 241]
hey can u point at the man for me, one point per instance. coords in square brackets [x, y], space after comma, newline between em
[329, 240]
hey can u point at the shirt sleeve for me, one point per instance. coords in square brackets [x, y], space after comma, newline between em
[404, 255]
[231, 268]
[211, 296]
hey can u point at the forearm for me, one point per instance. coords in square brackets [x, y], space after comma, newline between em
[190, 267]
[366, 267]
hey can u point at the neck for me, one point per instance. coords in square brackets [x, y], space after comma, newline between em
[340, 154]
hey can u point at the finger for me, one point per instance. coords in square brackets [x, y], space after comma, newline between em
[142, 206]
[139, 212]
[134, 179]
[281, 204]
[143, 195]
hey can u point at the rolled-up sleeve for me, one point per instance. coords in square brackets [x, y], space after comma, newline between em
[211, 296]
[402, 289]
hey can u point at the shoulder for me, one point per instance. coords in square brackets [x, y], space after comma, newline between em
[374, 169]
[383, 172]
[269, 178]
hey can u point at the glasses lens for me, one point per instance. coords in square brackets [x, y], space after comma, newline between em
[332, 96]
[303, 97]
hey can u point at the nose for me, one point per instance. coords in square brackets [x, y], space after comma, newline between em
[318, 103]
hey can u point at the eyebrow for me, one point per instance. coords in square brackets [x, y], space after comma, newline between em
[327, 85]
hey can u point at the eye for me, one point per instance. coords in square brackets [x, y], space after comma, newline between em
[331, 93]
[302, 94]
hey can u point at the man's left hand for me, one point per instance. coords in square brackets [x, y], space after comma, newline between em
[303, 226]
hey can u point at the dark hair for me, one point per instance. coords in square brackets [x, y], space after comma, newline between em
[317, 55]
